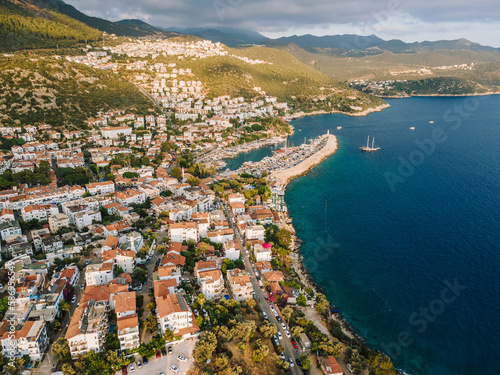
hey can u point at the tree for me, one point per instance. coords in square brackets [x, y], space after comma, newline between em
[287, 313]
[205, 347]
[244, 330]
[157, 342]
[60, 348]
[112, 342]
[222, 362]
[117, 361]
[140, 274]
[150, 323]
[301, 300]
[169, 335]
[193, 181]
[68, 369]
[4, 306]
[284, 237]
[296, 331]
[338, 349]
[267, 330]
[145, 160]
[201, 299]
[117, 271]
[151, 307]
[146, 350]
[304, 361]
[357, 362]
[224, 334]
[176, 173]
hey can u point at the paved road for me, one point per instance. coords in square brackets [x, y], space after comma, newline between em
[290, 351]
[50, 360]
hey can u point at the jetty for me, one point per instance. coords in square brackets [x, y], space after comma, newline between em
[327, 145]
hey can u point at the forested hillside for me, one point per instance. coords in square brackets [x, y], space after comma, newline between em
[57, 92]
[26, 26]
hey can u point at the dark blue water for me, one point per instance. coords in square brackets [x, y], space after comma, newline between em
[411, 256]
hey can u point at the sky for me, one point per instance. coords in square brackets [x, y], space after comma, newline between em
[410, 21]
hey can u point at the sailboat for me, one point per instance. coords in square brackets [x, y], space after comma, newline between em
[368, 148]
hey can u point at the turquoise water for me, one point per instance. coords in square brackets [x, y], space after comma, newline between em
[406, 241]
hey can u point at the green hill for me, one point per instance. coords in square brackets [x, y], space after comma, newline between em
[480, 75]
[57, 92]
[282, 75]
[26, 25]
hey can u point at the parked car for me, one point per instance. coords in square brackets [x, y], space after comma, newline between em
[282, 355]
[170, 350]
[295, 345]
[349, 367]
[291, 362]
[280, 336]
[287, 334]
[264, 315]
[182, 358]
[124, 371]
[163, 351]
[139, 364]
[131, 367]
[174, 368]
[158, 355]
[73, 299]
[145, 360]
[283, 325]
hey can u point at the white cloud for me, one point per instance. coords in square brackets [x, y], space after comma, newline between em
[401, 19]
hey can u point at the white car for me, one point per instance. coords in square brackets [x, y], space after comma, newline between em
[182, 358]
[291, 362]
[349, 367]
[287, 333]
[73, 299]
[280, 336]
[283, 325]
[174, 368]
[264, 315]
[131, 367]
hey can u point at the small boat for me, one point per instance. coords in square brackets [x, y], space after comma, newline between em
[431, 122]
[412, 128]
[368, 148]
[339, 127]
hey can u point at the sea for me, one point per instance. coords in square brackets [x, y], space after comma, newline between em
[405, 241]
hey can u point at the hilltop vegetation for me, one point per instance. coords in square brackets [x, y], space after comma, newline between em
[26, 26]
[282, 76]
[60, 93]
[424, 70]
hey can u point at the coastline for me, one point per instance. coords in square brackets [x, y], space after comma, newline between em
[366, 112]
[438, 95]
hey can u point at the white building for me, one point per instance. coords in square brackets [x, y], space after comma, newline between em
[210, 279]
[58, 221]
[29, 339]
[115, 132]
[256, 232]
[240, 284]
[262, 252]
[85, 219]
[99, 274]
[232, 249]
[127, 322]
[104, 187]
[174, 314]
[183, 232]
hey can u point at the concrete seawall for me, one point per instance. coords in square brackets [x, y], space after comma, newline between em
[284, 176]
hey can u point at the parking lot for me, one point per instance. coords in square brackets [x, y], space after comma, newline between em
[155, 366]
